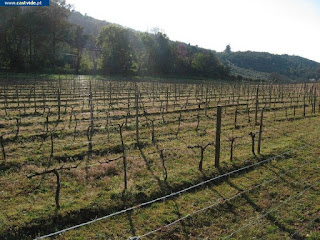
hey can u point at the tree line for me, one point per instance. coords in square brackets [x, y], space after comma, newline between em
[42, 39]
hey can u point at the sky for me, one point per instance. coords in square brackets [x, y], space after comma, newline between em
[276, 26]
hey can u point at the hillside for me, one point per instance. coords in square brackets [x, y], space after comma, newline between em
[91, 26]
[249, 64]
[78, 50]
[292, 67]
[241, 73]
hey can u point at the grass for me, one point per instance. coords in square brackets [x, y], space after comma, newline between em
[93, 189]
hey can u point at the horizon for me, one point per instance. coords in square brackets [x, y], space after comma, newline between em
[274, 30]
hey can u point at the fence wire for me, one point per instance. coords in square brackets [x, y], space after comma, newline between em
[217, 203]
[170, 195]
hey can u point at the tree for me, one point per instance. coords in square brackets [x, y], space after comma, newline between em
[115, 49]
[228, 49]
[12, 37]
[33, 37]
[140, 53]
[58, 26]
[163, 54]
[180, 58]
[206, 64]
[147, 57]
[93, 53]
[80, 41]
[191, 50]
[42, 39]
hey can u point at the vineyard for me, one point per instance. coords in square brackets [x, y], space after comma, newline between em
[84, 158]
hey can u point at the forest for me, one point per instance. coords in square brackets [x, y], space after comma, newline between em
[42, 39]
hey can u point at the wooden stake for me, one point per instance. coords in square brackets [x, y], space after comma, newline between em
[260, 131]
[218, 133]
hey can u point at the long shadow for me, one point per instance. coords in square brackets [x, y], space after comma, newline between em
[132, 228]
[204, 176]
[162, 184]
[182, 223]
[129, 214]
[46, 225]
[269, 168]
[230, 206]
[295, 118]
[272, 219]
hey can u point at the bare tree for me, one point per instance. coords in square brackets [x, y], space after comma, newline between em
[123, 157]
[55, 171]
[202, 149]
[232, 140]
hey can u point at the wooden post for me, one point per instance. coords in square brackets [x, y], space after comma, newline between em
[137, 114]
[260, 131]
[47, 123]
[124, 158]
[110, 92]
[59, 103]
[2, 148]
[91, 107]
[153, 137]
[304, 105]
[206, 109]
[57, 197]
[89, 137]
[218, 133]
[257, 104]
[167, 101]
[314, 100]
[51, 138]
[18, 127]
[235, 118]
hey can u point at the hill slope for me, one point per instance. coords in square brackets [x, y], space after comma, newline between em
[91, 26]
[249, 64]
[292, 67]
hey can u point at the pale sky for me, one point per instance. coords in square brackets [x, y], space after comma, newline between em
[277, 26]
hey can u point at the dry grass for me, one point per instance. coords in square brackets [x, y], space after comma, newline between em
[93, 189]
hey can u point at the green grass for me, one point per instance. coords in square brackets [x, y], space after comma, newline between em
[92, 190]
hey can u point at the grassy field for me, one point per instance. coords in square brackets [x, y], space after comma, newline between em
[68, 129]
